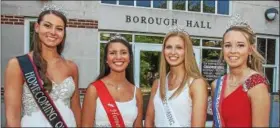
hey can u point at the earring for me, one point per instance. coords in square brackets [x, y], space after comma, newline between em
[250, 59]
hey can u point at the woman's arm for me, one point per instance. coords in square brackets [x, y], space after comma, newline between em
[89, 107]
[198, 91]
[13, 86]
[260, 103]
[150, 114]
[139, 99]
[75, 100]
[213, 87]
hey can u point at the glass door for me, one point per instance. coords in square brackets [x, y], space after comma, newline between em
[146, 67]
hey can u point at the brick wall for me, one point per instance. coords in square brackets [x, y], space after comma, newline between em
[82, 23]
[74, 23]
[14, 20]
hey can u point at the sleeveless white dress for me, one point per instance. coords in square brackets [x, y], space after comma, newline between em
[180, 105]
[61, 95]
[128, 110]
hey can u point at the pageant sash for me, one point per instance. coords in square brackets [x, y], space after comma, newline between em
[38, 92]
[172, 120]
[218, 121]
[109, 104]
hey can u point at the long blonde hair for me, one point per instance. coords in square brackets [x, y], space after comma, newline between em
[256, 58]
[190, 64]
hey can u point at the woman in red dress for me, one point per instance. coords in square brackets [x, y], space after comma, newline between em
[241, 97]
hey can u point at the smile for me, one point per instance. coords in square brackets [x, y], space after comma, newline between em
[173, 58]
[118, 63]
[51, 38]
[233, 58]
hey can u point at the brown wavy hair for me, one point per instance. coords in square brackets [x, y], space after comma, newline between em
[36, 47]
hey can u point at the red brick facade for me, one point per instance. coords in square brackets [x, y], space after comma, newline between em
[13, 20]
[74, 23]
[82, 23]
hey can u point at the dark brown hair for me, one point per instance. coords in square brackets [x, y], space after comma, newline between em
[39, 61]
[105, 69]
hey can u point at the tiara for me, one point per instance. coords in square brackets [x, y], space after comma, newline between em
[177, 28]
[236, 20]
[117, 36]
[53, 7]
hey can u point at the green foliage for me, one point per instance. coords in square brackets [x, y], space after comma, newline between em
[102, 47]
[196, 42]
[31, 31]
[179, 4]
[107, 36]
[148, 67]
[210, 54]
[194, 5]
[207, 8]
[148, 39]
[211, 43]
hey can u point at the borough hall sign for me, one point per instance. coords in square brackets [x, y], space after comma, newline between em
[165, 21]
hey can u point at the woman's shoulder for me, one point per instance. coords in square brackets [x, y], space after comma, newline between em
[72, 66]
[255, 79]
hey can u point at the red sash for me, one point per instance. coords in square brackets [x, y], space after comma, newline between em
[109, 104]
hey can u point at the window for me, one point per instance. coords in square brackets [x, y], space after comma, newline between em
[211, 43]
[143, 3]
[28, 33]
[148, 39]
[159, 3]
[178, 4]
[202, 6]
[109, 1]
[223, 7]
[208, 6]
[106, 36]
[212, 67]
[194, 5]
[132, 38]
[268, 49]
[126, 2]
[195, 42]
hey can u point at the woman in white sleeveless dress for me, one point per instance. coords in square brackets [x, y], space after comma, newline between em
[117, 76]
[59, 76]
[179, 98]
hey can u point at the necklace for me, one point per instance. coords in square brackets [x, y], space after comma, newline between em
[235, 83]
[116, 86]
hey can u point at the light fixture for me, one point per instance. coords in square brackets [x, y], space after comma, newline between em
[270, 14]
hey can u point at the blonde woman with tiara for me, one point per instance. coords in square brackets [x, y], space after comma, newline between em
[241, 97]
[179, 97]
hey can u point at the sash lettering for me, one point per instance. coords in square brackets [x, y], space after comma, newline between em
[42, 98]
[109, 104]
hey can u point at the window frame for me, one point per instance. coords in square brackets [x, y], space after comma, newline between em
[169, 6]
[276, 79]
[27, 22]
